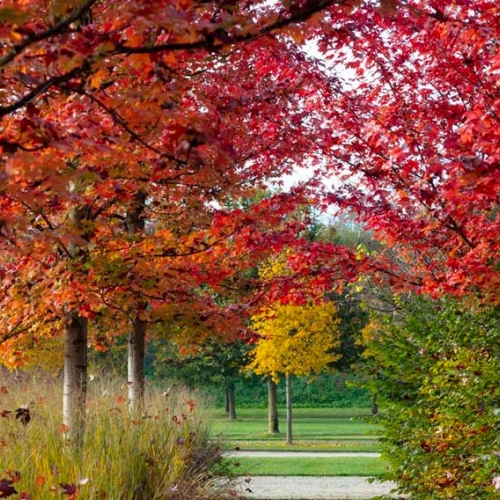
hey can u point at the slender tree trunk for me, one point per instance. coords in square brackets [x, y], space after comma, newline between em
[231, 400]
[289, 436]
[136, 356]
[137, 339]
[75, 378]
[75, 342]
[272, 407]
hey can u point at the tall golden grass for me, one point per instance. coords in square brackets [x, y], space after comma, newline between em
[165, 452]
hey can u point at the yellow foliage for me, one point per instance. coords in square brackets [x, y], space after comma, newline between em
[33, 353]
[35, 347]
[370, 336]
[295, 339]
[276, 266]
[46, 356]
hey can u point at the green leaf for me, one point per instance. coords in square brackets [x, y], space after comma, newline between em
[12, 16]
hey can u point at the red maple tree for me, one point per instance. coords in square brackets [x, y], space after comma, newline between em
[413, 135]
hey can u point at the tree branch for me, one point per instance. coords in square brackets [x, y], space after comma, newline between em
[134, 135]
[56, 80]
[210, 39]
[53, 30]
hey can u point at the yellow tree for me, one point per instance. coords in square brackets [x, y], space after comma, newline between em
[295, 340]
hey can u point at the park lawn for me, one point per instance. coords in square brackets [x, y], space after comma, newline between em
[335, 429]
[261, 413]
[279, 444]
[308, 466]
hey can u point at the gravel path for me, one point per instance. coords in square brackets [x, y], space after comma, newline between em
[309, 488]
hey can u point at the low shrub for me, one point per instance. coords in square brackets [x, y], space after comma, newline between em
[164, 453]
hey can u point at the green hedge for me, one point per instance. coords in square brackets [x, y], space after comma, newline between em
[437, 382]
[328, 390]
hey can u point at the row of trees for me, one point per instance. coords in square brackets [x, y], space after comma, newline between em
[127, 132]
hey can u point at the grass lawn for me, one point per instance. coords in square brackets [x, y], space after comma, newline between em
[261, 413]
[333, 445]
[336, 429]
[346, 466]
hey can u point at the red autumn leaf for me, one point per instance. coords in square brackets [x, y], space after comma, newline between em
[68, 488]
[6, 488]
[63, 429]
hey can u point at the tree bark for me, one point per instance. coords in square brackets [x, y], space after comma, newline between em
[231, 400]
[272, 407]
[289, 436]
[76, 339]
[136, 356]
[135, 224]
[75, 378]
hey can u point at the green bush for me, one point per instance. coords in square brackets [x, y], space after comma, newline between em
[163, 454]
[436, 377]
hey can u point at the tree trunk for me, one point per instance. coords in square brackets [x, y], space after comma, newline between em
[75, 378]
[135, 224]
[272, 407]
[289, 436]
[136, 356]
[231, 400]
[75, 342]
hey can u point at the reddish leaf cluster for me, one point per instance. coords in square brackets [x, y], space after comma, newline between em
[414, 135]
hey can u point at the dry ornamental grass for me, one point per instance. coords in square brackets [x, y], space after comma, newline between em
[163, 453]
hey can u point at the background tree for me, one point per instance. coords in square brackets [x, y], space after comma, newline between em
[273, 426]
[216, 361]
[295, 340]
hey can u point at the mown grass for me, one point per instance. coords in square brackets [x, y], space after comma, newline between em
[347, 445]
[261, 413]
[335, 429]
[346, 466]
